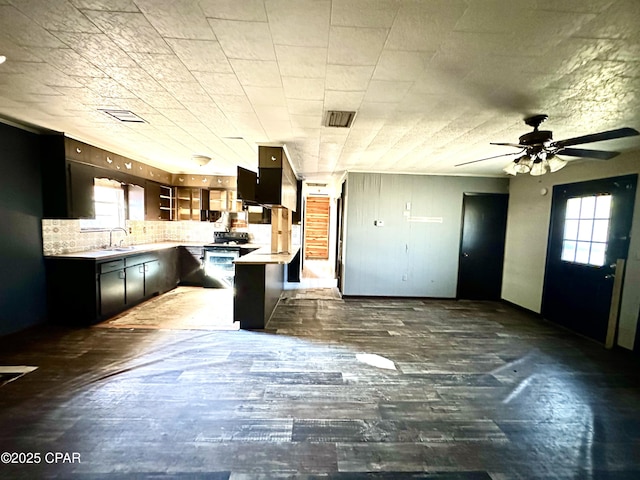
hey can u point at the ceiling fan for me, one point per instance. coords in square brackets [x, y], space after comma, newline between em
[539, 150]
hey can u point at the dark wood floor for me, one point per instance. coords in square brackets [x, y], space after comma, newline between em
[474, 391]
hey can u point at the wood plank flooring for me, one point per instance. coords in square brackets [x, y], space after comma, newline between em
[475, 391]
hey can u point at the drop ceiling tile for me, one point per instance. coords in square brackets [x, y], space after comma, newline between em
[176, 19]
[339, 100]
[219, 83]
[423, 26]
[160, 100]
[244, 40]
[107, 87]
[387, 91]
[200, 55]
[303, 23]
[266, 96]
[186, 92]
[307, 62]
[257, 73]
[247, 10]
[56, 16]
[620, 21]
[107, 5]
[232, 103]
[134, 79]
[132, 32]
[306, 121]
[270, 112]
[304, 107]
[303, 88]
[163, 67]
[278, 131]
[364, 13]
[348, 77]
[356, 46]
[68, 61]
[97, 49]
[22, 31]
[400, 65]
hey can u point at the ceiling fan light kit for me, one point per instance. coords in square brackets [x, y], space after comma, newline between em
[540, 150]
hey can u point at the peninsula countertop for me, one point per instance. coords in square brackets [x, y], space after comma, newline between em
[264, 256]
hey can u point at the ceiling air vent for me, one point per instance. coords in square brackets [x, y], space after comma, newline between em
[123, 115]
[340, 119]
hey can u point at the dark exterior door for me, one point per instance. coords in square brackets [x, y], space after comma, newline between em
[484, 225]
[590, 227]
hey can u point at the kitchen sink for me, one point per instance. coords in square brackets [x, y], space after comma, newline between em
[120, 249]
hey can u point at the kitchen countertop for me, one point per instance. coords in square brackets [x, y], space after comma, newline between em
[106, 254]
[264, 256]
[262, 253]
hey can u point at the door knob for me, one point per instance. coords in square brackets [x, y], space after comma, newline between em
[465, 254]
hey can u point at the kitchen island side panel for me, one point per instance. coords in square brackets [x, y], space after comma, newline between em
[258, 289]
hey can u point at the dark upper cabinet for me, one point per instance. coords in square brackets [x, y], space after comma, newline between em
[152, 201]
[277, 183]
[67, 186]
[80, 178]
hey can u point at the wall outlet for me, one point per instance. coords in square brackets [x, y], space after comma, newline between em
[405, 277]
[378, 223]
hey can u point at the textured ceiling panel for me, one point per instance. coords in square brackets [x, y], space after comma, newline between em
[432, 82]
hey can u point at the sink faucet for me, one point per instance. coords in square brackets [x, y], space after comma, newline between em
[111, 233]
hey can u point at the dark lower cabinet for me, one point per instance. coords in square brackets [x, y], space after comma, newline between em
[112, 292]
[134, 282]
[84, 291]
[191, 266]
[152, 278]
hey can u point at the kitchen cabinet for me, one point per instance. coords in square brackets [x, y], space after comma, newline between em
[112, 287]
[278, 186]
[81, 181]
[191, 203]
[83, 291]
[134, 283]
[191, 266]
[224, 201]
[152, 201]
[67, 186]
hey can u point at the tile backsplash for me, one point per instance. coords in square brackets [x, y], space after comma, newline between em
[65, 236]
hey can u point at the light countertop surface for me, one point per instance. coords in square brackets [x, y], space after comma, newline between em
[264, 256]
[261, 255]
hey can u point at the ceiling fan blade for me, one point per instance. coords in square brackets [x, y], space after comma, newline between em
[508, 145]
[489, 158]
[598, 137]
[582, 152]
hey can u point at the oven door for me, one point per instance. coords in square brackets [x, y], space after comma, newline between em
[219, 269]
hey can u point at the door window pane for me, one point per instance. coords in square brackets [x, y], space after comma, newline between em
[585, 230]
[582, 252]
[603, 206]
[597, 256]
[587, 221]
[600, 231]
[568, 251]
[573, 208]
[571, 229]
[588, 207]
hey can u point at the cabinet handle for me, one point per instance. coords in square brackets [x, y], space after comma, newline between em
[121, 274]
[146, 268]
[142, 269]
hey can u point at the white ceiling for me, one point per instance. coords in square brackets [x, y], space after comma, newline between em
[432, 81]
